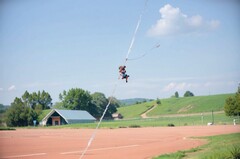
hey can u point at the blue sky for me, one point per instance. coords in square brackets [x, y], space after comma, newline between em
[58, 45]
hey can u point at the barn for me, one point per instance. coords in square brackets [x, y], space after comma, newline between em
[62, 117]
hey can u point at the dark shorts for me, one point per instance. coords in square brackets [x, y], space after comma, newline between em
[125, 75]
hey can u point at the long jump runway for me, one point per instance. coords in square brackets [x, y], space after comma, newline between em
[125, 143]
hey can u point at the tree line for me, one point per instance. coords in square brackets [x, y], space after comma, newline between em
[24, 110]
[186, 94]
[232, 104]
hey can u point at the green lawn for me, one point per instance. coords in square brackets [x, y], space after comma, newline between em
[219, 119]
[184, 106]
[219, 147]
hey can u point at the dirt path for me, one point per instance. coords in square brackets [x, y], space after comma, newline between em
[135, 143]
[144, 115]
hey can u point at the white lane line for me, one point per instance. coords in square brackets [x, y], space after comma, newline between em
[144, 139]
[27, 155]
[100, 149]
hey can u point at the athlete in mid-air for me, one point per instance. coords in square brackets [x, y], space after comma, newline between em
[122, 71]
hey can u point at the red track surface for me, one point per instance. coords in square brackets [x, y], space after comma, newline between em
[134, 143]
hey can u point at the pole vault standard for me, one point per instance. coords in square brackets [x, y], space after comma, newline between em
[115, 86]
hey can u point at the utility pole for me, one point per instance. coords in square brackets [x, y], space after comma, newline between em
[212, 118]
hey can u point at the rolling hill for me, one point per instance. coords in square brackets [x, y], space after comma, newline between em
[126, 102]
[183, 105]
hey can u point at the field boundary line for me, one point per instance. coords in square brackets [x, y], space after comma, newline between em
[27, 155]
[100, 149]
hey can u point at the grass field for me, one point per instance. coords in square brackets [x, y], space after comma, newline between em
[219, 147]
[134, 111]
[219, 119]
[184, 105]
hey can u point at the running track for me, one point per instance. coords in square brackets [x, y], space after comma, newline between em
[134, 143]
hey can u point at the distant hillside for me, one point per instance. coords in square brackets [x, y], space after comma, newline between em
[134, 111]
[183, 105]
[125, 102]
[3, 108]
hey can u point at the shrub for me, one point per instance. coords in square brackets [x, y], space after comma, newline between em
[171, 125]
[177, 155]
[235, 152]
[122, 127]
[158, 101]
[134, 126]
[7, 128]
[188, 94]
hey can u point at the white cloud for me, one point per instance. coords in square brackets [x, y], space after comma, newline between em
[11, 88]
[179, 86]
[173, 22]
[1, 89]
[169, 87]
[195, 21]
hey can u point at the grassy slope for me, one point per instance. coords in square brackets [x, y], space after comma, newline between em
[187, 105]
[219, 147]
[182, 105]
[134, 111]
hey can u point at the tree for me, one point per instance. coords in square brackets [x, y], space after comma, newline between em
[188, 94]
[158, 101]
[238, 89]
[95, 104]
[44, 99]
[113, 105]
[20, 114]
[2, 108]
[41, 99]
[24, 110]
[137, 102]
[58, 105]
[232, 104]
[115, 102]
[100, 101]
[176, 94]
[76, 99]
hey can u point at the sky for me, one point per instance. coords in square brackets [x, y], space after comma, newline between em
[58, 45]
